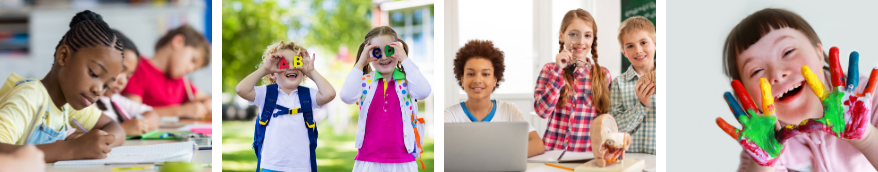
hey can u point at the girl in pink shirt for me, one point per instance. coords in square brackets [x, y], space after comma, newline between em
[389, 130]
[768, 49]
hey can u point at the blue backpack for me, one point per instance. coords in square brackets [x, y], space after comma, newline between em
[267, 113]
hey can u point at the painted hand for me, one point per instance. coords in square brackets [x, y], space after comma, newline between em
[846, 113]
[759, 132]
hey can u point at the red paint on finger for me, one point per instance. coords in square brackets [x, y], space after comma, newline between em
[743, 96]
[729, 129]
[837, 74]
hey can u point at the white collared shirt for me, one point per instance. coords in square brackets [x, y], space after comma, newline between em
[285, 147]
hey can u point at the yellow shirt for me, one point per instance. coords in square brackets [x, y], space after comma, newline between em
[19, 106]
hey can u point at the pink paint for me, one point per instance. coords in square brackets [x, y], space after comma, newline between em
[858, 118]
[759, 155]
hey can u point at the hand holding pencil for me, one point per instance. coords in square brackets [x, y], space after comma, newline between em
[91, 145]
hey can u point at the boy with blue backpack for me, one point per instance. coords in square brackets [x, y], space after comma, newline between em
[285, 109]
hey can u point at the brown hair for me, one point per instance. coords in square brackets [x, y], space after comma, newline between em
[636, 23]
[274, 48]
[379, 31]
[600, 92]
[754, 27]
[479, 49]
[193, 39]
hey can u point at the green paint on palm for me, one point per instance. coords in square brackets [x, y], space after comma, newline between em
[760, 129]
[833, 112]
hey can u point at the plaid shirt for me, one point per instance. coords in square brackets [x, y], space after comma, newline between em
[568, 126]
[631, 116]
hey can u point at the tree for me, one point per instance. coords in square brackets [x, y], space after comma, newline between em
[249, 26]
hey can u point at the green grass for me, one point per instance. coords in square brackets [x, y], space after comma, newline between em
[334, 152]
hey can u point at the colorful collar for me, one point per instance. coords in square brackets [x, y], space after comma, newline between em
[397, 75]
[473, 118]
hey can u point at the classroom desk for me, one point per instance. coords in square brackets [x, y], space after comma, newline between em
[200, 157]
[649, 165]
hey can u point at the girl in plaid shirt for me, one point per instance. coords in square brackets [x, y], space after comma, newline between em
[573, 90]
[632, 93]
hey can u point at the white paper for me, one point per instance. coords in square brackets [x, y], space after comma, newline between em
[181, 151]
[548, 156]
[553, 156]
[577, 156]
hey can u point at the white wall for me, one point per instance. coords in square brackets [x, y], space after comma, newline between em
[143, 25]
[698, 30]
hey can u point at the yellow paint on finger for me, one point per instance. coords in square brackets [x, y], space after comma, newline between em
[814, 82]
[767, 98]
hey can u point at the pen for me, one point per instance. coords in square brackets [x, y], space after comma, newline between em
[79, 125]
[561, 167]
[121, 111]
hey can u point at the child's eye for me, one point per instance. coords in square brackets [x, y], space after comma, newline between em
[572, 34]
[588, 36]
[470, 74]
[486, 74]
[630, 46]
[106, 86]
[788, 52]
[92, 74]
[643, 43]
[755, 72]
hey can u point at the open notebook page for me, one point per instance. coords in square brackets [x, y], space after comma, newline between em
[157, 153]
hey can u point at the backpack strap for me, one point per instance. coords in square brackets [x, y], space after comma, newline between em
[268, 108]
[308, 116]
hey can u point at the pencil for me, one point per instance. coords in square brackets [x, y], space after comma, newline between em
[79, 125]
[561, 167]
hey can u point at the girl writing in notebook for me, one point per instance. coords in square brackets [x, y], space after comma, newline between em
[136, 118]
[42, 111]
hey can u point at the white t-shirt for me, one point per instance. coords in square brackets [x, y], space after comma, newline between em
[129, 106]
[285, 147]
[505, 112]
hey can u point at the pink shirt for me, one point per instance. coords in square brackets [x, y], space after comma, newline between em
[819, 151]
[155, 87]
[382, 142]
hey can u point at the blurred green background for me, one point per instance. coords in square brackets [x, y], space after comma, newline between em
[333, 29]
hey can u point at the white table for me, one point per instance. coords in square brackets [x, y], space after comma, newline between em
[542, 167]
[200, 157]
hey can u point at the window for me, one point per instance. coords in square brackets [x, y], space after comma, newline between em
[512, 33]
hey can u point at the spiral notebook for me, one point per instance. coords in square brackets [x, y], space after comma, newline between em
[157, 153]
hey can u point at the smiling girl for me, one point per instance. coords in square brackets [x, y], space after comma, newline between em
[773, 45]
[573, 90]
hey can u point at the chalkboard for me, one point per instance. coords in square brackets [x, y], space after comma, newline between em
[631, 8]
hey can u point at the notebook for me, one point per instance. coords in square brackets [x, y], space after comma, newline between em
[554, 156]
[158, 153]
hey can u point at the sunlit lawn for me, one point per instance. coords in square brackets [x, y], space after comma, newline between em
[334, 152]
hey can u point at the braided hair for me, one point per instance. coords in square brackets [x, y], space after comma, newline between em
[89, 29]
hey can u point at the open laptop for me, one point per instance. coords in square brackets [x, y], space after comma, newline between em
[486, 146]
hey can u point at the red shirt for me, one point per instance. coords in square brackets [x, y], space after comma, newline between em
[155, 87]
